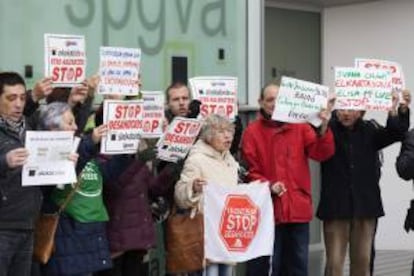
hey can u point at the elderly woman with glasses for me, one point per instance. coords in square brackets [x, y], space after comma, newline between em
[209, 161]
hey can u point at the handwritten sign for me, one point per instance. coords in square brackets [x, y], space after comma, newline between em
[218, 95]
[363, 89]
[119, 70]
[300, 101]
[65, 59]
[178, 139]
[153, 116]
[124, 120]
[48, 162]
[398, 81]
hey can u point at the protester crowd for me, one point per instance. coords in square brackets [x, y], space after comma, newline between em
[108, 225]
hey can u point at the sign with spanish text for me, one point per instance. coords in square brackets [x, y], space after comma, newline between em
[238, 222]
[48, 162]
[398, 81]
[218, 95]
[124, 121]
[178, 139]
[300, 101]
[153, 116]
[119, 71]
[363, 89]
[65, 59]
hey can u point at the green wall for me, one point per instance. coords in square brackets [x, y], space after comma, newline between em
[196, 29]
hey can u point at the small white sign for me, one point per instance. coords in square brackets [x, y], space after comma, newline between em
[48, 162]
[65, 59]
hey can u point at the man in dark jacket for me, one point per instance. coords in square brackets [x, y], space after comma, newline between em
[405, 169]
[19, 205]
[350, 201]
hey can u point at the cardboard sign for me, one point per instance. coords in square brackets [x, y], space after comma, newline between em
[178, 139]
[363, 89]
[124, 120]
[398, 81]
[238, 222]
[119, 71]
[218, 95]
[65, 59]
[48, 162]
[153, 117]
[300, 101]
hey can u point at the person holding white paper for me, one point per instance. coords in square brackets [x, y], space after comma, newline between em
[209, 161]
[19, 206]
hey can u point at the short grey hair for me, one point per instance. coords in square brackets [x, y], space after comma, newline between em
[213, 123]
[50, 115]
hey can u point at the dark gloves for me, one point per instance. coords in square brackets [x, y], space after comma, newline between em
[147, 154]
[194, 109]
[409, 219]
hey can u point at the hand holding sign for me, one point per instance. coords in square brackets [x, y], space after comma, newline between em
[17, 157]
[98, 133]
[405, 101]
[198, 184]
[278, 188]
[42, 89]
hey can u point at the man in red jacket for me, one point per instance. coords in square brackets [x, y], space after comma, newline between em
[277, 153]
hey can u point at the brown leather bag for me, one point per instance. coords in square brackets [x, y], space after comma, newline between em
[45, 229]
[185, 242]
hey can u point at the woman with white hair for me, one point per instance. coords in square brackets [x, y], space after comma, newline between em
[209, 161]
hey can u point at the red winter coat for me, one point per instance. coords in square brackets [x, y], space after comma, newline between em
[279, 152]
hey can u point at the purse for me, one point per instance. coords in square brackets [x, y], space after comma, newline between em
[45, 229]
[185, 242]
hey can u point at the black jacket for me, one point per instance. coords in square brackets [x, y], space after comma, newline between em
[405, 161]
[350, 179]
[19, 206]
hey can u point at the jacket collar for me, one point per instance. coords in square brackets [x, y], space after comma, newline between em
[267, 121]
[204, 148]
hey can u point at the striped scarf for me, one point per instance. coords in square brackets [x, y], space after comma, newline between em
[16, 128]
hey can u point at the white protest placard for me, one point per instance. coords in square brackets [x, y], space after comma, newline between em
[178, 139]
[65, 59]
[363, 89]
[238, 222]
[153, 116]
[124, 120]
[300, 101]
[48, 162]
[119, 70]
[218, 95]
[398, 80]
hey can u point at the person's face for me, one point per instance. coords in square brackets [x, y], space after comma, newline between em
[12, 102]
[348, 117]
[269, 99]
[68, 122]
[222, 139]
[179, 100]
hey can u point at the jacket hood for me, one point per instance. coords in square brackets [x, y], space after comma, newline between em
[202, 147]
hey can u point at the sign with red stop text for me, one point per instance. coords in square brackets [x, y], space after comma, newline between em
[178, 139]
[65, 59]
[238, 222]
[218, 95]
[153, 116]
[124, 121]
[398, 80]
[363, 89]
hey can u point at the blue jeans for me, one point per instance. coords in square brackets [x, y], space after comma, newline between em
[291, 250]
[16, 249]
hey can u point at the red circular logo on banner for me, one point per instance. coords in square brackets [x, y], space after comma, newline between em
[239, 222]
